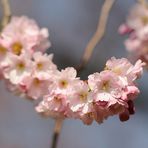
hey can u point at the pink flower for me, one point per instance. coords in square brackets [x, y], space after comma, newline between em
[130, 93]
[59, 91]
[137, 42]
[19, 68]
[133, 45]
[56, 102]
[22, 34]
[124, 29]
[136, 70]
[138, 47]
[53, 104]
[138, 17]
[106, 86]
[43, 65]
[142, 33]
[64, 81]
[87, 113]
[126, 72]
[80, 97]
[118, 66]
[44, 109]
[34, 87]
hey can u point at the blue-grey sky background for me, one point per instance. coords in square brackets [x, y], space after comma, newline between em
[71, 24]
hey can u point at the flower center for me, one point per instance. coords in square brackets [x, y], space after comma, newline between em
[39, 66]
[57, 99]
[20, 66]
[83, 96]
[36, 81]
[144, 20]
[63, 83]
[17, 48]
[117, 70]
[105, 85]
[3, 50]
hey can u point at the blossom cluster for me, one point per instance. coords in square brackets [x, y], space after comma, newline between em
[137, 27]
[29, 72]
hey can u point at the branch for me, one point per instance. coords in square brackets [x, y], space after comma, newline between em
[6, 13]
[57, 130]
[98, 35]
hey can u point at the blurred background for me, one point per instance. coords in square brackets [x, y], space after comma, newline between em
[71, 24]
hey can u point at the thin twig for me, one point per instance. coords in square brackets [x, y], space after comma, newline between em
[6, 12]
[57, 130]
[98, 35]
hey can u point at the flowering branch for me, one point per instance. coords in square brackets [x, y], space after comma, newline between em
[6, 12]
[98, 35]
[87, 55]
[29, 72]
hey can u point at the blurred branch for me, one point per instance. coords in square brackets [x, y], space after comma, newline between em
[57, 130]
[98, 35]
[143, 2]
[6, 12]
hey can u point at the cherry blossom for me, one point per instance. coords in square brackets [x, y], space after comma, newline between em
[43, 65]
[107, 88]
[80, 96]
[35, 87]
[138, 17]
[136, 26]
[19, 68]
[29, 72]
[23, 34]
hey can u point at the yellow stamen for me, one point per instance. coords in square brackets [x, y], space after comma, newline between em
[57, 99]
[21, 66]
[36, 82]
[144, 20]
[3, 50]
[17, 48]
[39, 66]
[117, 70]
[63, 83]
[83, 96]
[105, 85]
